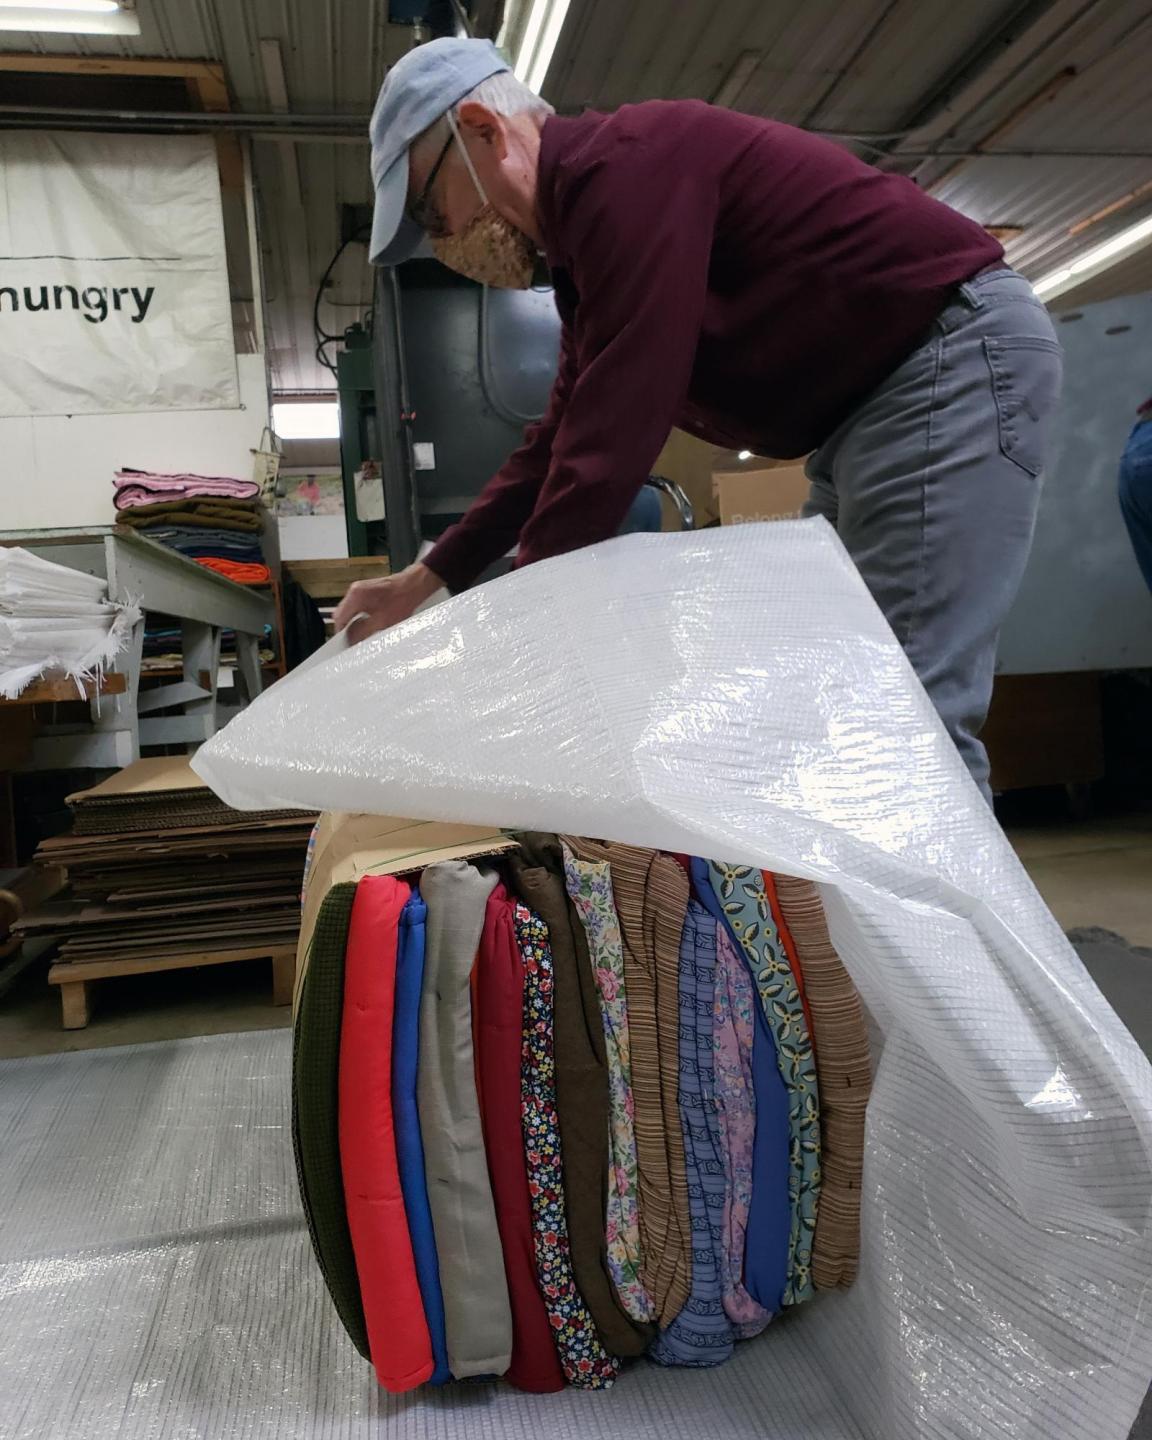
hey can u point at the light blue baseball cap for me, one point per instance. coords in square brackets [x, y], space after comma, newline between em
[418, 89]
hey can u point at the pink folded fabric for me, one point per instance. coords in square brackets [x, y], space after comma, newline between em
[143, 487]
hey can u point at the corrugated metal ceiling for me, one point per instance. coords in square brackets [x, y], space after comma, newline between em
[334, 54]
[953, 72]
[865, 68]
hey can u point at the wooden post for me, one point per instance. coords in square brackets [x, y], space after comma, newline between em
[283, 976]
[74, 1004]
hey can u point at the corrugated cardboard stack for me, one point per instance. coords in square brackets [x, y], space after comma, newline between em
[160, 867]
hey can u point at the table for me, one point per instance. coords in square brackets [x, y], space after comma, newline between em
[139, 571]
[329, 579]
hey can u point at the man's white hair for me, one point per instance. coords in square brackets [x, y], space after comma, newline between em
[502, 92]
[507, 95]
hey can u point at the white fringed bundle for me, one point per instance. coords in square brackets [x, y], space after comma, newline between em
[55, 621]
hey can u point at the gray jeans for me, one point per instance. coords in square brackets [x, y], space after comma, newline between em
[933, 483]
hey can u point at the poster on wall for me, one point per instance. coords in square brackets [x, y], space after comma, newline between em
[113, 276]
[308, 492]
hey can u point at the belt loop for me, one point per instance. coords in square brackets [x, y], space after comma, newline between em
[969, 296]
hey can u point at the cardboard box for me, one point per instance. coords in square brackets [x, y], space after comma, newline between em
[690, 463]
[774, 493]
[347, 847]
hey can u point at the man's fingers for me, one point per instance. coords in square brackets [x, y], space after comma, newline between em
[348, 608]
[361, 628]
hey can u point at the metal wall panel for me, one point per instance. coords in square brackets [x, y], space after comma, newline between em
[1084, 604]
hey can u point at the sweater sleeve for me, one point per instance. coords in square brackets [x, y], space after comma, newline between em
[493, 523]
[638, 226]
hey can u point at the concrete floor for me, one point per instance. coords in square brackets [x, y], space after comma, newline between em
[1096, 876]
[208, 1001]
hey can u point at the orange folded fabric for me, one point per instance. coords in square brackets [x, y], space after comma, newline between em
[242, 571]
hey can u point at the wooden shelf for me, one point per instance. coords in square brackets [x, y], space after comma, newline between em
[52, 692]
[329, 579]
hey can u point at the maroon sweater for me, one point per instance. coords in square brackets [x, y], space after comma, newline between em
[742, 279]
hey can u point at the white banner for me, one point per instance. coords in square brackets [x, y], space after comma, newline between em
[113, 278]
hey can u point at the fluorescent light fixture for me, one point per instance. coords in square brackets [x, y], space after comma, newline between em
[97, 6]
[744, 455]
[1099, 258]
[306, 419]
[538, 43]
[71, 17]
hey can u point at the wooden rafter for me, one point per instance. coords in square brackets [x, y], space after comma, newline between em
[205, 80]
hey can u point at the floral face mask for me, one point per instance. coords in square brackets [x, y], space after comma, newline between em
[489, 249]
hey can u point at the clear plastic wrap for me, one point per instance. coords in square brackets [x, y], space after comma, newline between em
[737, 694]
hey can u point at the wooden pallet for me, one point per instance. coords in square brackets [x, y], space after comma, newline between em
[75, 977]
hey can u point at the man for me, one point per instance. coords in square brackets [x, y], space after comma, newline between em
[761, 288]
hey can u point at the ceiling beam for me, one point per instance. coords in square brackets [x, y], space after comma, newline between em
[1107, 211]
[1037, 101]
[205, 72]
[1001, 55]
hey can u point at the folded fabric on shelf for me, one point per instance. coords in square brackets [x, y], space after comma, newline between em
[143, 487]
[235, 514]
[188, 537]
[241, 572]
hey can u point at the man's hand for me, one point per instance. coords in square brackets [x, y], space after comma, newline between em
[383, 603]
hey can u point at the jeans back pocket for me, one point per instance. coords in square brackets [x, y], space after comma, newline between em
[1026, 371]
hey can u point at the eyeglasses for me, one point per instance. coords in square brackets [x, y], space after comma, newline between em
[418, 209]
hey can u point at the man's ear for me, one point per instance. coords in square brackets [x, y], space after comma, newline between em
[484, 125]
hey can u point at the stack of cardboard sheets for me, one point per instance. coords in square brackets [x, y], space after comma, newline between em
[21, 891]
[159, 867]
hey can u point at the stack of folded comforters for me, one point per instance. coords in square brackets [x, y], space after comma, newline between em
[213, 519]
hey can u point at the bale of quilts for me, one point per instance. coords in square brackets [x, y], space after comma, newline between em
[215, 520]
[736, 696]
[559, 1104]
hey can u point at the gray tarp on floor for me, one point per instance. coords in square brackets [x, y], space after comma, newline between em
[156, 1282]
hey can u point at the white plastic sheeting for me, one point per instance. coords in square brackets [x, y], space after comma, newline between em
[737, 694]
